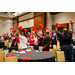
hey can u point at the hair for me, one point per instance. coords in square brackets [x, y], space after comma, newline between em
[47, 33]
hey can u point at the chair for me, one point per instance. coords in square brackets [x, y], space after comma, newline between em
[40, 47]
[2, 55]
[53, 51]
[1, 50]
[11, 59]
[2, 39]
[13, 50]
[54, 47]
[5, 43]
[18, 46]
[60, 56]
[9, 45]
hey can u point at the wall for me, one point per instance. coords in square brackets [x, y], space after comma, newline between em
[64, 17]
[5, 25]
[49, 20]
[27, 23]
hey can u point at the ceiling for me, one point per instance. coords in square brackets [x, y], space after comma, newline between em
[14, 14]
[11, 14]
[54, 13]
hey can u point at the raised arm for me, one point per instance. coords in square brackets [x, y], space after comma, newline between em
[72, 26]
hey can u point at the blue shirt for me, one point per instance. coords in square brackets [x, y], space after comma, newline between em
[54, 38]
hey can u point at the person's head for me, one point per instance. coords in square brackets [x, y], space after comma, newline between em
[47, 32]
[28, 33]
[7, 33]
[65, 31]
[32, 33]
[22, 33]
[42, 30]
[44, 33]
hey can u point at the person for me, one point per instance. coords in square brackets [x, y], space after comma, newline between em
[40, 38]
[14, 39]
[54, 39]
[28, 36]
[46, 41]
[66, 43]
[23, 40]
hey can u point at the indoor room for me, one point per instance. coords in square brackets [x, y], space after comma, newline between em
[37, 36]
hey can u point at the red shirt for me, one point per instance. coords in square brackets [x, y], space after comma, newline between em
[18, 40]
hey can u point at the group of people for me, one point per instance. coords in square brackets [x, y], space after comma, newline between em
[46, 38]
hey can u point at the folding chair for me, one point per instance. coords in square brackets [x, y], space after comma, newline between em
[60, 56]
[2, 55]
[11, 59]
[40, 47]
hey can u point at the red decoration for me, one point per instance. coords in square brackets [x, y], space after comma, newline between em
[73, 32]
[20, 27]
[46, 52]
[22, 50]
[46, 29]
[57, 24]
[70, 20]
[25, 30]
[11, 55]
[29, 52]
[4, 34]
[12, 31]
[35, 30]
[25, 58]
[40, 26]
[59, 31]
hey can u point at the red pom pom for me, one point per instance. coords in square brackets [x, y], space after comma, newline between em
[59, 31]
[21, 28]
[12, 31]
[73, 31]
[25, 29]
[46, 29]
[22, 50]
[40, 26]
[70, 20]
[35, 30]
[46, 52]
[11, 55]
[29, 52]
[4, 34]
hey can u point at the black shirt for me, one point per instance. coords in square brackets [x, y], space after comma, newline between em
[45, 41]
[65, 39]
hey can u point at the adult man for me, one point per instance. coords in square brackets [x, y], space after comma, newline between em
[46, 41]
[54, 38]
[23, 40]
[65, 41]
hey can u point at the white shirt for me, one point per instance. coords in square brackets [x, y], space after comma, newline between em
[23, 42]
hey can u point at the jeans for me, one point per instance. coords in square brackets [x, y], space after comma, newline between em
[12, 45]
[68, 52]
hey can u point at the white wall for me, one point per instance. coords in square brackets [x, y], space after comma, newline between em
[64, 17]
[5, 25]
[28, 23]
[49, 20]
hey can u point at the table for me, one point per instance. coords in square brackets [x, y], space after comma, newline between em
[36, 56]
[1, 44]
